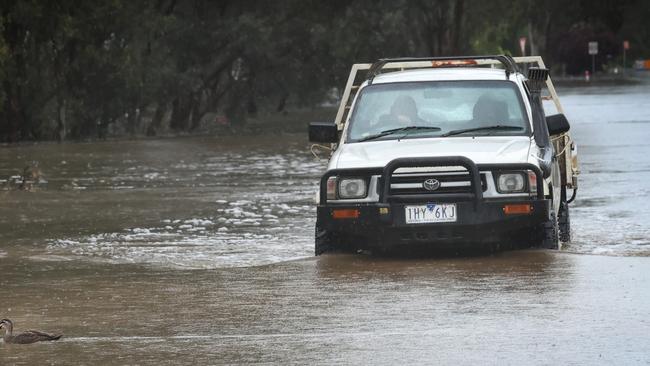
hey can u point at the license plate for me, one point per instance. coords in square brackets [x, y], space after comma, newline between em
[430, 213]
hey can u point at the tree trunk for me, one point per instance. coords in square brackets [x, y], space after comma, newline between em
[457, 27]
[15, 119]
[199, 107]
[156, 121]
[132, 121]
[61, 120]
[180, 114]
[195, 115]
[282, 103]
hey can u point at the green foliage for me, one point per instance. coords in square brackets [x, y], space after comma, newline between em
[79, 69]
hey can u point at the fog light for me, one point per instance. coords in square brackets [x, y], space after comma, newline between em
[511, 183]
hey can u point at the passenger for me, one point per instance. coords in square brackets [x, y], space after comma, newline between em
[404, 111]
[489, 111]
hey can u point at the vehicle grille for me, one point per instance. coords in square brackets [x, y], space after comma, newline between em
[458, 180]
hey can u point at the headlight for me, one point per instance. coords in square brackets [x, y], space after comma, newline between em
[352, 188]
[511, 183]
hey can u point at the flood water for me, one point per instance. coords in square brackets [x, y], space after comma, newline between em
[199, 251]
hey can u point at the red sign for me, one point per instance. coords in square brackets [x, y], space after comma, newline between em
[626, 45]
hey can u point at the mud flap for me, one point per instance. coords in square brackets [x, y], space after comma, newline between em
[564, 223]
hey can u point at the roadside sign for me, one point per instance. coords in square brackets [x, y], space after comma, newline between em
[522, 45]
[593, 48]
[626, 45]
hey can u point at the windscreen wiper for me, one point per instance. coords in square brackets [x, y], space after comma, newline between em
[396, 130]
[486, 128]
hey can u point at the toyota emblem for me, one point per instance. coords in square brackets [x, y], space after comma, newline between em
[431, 184]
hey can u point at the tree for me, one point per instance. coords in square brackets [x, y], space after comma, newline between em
[78, 69]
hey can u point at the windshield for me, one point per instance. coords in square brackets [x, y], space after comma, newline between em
[438, 108]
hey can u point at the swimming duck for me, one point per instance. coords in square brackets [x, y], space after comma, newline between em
[30, 336]
[31, 175]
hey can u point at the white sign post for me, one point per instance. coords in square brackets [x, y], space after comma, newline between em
[626, 46]
[593, 51]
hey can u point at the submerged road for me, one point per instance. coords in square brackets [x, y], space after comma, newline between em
[199, 251]
[530, 307]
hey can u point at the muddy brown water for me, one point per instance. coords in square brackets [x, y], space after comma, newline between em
[199, 251]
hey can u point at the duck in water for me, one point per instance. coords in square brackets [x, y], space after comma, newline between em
[30, 336]
[31, 175]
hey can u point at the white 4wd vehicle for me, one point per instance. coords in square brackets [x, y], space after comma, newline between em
[446, 152]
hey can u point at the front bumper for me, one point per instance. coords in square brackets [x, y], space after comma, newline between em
[385, 224]
[479, 220]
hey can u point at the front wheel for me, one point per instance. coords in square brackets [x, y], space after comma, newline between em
[327, 241]
[548, 234]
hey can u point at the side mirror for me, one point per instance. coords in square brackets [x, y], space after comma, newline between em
[323, 132]
[557, 124]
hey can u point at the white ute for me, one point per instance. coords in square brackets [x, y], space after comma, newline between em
[446, 152]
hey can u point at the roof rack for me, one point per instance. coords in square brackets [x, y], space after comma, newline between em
[354, 83]
[508, 62]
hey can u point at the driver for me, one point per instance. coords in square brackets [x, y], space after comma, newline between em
[404, 111]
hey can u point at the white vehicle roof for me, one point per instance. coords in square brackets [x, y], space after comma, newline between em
[443, 74]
